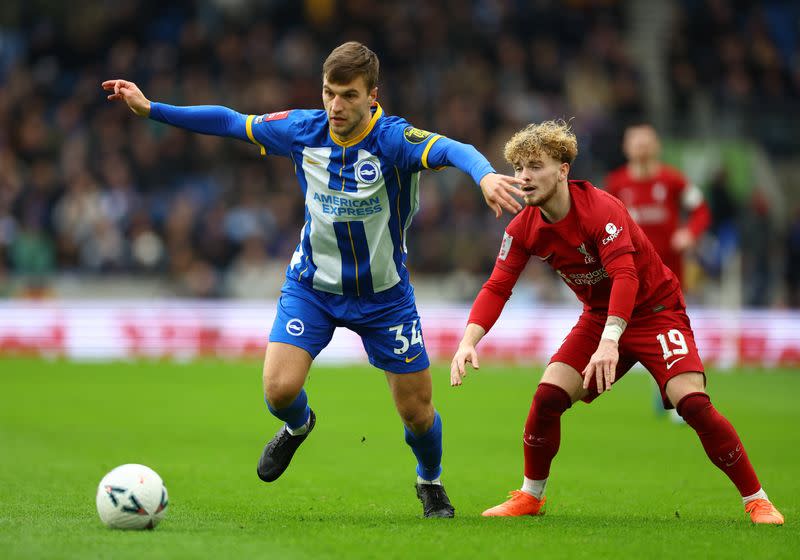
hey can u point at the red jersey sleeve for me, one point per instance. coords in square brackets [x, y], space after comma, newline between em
[514, 252]
[624, 286]
[610, 226]
[509, 265]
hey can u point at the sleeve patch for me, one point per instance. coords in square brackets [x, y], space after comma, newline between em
[613, 232]
[415, 135]
[280, 115]
[505, 246]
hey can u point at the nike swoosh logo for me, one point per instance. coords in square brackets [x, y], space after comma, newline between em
[545, 258]
[409, 360]
[311, 161]
[674, 362]
[736, 461]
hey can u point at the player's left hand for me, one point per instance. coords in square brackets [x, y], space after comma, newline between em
[499, 191]
[682, 240]
[602, 365]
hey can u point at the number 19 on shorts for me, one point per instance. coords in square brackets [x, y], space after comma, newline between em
[402, 340]
[673, 344]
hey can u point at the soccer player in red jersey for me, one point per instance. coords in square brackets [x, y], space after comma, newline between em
[633, 311]
[657, 196]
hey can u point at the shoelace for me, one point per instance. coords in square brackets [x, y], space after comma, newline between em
[285, 435]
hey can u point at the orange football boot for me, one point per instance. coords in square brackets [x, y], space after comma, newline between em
[762, 511]
[519, 503]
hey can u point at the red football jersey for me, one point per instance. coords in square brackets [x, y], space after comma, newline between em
[596, 230]
[656, 203]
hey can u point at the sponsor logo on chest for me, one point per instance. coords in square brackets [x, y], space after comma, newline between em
[584, 278]
[659, 192]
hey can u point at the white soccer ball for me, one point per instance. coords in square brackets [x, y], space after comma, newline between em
[132, 497]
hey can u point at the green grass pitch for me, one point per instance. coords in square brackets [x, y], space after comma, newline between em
[625, 484]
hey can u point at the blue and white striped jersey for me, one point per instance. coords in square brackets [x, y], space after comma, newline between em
[360, 195]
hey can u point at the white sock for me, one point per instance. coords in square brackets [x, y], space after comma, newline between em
[301, 430]
[760, 495]
[534, 487]
[437, 481]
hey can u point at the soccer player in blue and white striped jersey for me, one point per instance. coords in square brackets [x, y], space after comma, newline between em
[358, 170]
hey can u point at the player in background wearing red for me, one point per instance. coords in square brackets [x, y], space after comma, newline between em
[666, 205]
[657, 196]
[633, 312]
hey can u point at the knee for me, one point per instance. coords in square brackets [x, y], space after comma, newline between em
[278, 392]
[551, 399]
[417, 417]
[693, 405]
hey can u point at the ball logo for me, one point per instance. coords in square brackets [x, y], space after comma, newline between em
[367, 171]
[295, 327]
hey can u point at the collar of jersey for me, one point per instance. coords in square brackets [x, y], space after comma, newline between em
[353, 141]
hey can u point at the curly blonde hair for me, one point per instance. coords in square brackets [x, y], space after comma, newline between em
[553, 138]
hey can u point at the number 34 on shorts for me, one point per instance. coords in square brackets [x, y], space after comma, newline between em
[408, 341]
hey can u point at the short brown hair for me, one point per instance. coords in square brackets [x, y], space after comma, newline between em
[350, 60]
[553, 138]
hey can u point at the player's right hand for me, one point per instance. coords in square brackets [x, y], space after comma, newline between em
[130, 94]
[602, 366]
[458, 368]
[498, 190]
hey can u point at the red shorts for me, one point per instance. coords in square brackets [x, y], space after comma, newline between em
[663, 342]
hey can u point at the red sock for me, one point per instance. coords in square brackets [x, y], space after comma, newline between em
[720, 440]
[543, 429]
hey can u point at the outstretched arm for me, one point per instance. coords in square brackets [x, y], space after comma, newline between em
[498, 190]
[205, 119]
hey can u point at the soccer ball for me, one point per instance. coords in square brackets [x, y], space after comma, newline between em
[131, 497]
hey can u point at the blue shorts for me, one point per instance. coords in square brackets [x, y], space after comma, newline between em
[387, 322]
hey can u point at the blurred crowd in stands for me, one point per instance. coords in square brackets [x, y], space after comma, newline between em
[86, 187]
[743, 59]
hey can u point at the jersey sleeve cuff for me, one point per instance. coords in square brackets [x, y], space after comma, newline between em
[251, 137]
[426, 151]
[155, 112]
[481, 172]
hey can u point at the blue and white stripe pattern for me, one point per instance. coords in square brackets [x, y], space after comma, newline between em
[360, 198]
